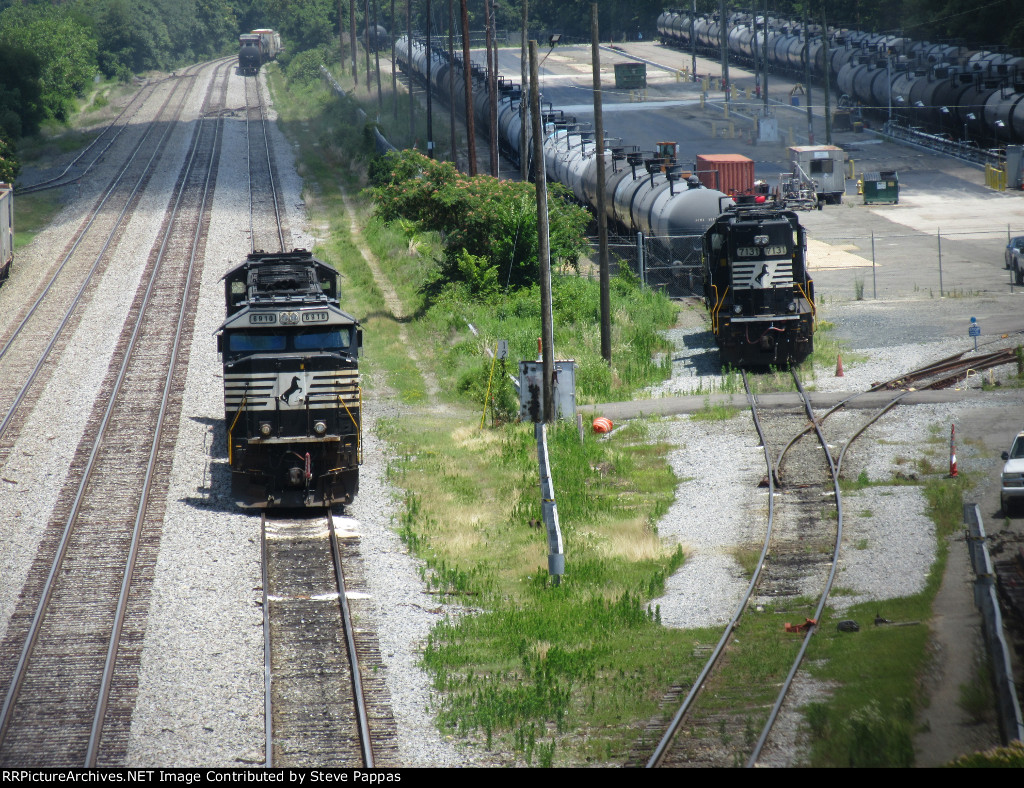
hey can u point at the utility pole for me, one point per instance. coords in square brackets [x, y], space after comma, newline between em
[412, 103]
[470, 131]
[524, 105]
[828, 94]
[366, 41]
[543, 242]
[724, 35]
[602, 217]
[807, 81]
[764, 80]
[492, 85]
[394, 73]
[693, 39]
[352, 39]
[451, 83]
[376, 57]
[430, 92]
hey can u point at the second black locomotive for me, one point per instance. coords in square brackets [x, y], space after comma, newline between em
[756, 285]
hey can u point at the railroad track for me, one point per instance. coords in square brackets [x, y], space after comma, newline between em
[43, 325]
[325, 705]
[266, 228]
[798, 553]
[71, 652]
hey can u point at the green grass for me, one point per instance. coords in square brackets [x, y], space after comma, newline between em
[32, 214]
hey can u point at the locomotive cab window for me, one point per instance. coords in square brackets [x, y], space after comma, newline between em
[333, 338]
[255, 342]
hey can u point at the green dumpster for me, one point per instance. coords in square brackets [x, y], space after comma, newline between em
[630, 76]
[881, 187]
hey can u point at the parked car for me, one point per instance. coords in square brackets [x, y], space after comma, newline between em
[1012, 483]
[1013, 248]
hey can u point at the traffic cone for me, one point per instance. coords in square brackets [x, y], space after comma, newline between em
[839, 366]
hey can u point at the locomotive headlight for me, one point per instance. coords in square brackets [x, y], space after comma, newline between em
[737, 309]
[760, 240]
[320, 427]
[266, 429]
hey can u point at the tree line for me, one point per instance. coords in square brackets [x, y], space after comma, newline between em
[52, 50]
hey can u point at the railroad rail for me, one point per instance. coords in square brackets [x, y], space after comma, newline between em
[317, 711]
[74, 643]
[264, 202]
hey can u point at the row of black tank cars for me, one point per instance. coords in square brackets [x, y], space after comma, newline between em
[945, 90]
[256, 48]
[756, 285]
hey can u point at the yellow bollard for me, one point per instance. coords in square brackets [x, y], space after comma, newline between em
[725, 108]
[732, 131]
[702, 97]
[714, 129]
[746, 93]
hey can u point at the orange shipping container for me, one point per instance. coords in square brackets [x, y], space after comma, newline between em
[732, 173]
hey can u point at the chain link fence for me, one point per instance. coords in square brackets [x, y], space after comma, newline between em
[672, 265]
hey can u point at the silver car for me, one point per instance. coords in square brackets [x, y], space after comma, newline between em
[1014, 248]
[1012, 482]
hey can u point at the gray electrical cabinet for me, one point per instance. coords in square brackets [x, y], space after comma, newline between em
[531, 390]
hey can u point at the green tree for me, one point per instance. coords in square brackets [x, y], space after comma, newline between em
[489, 226]
[21, 106]
[66, 52]
[9, 165]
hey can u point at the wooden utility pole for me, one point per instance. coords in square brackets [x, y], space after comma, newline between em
[451, 83]
[376, 58]
[524, 104]
[828, 93]
[430, 92]
[543, 242]
[724, 32]
[602, 217]
[394, 72]
[352, 39]
[366, 41]
[807, 81]
[470, 131]
[409, 76]
[492, 86]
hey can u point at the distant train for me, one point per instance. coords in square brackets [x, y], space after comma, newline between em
[6, 230]
[292, 399]
[943, 89]
[256, 48]
[756, 286]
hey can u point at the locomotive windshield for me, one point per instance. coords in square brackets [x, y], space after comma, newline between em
[323, 338]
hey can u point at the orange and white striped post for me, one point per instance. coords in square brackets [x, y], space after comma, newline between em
[952, 451]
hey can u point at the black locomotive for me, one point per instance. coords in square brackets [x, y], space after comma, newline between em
[291, 383]
[756, 286]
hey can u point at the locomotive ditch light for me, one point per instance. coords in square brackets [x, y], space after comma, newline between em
[320, 427]
[737, 309]
[266, 429]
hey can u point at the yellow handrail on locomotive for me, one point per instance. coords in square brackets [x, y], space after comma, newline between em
[718, 307]
[814, 309]
[231, 429]
[357, 424]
